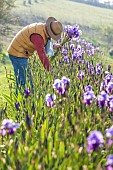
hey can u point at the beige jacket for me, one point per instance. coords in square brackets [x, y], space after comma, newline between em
[21, 45]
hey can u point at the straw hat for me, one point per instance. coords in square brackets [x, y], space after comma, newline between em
[54, 28]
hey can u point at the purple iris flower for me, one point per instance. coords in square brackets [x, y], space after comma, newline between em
[77, 32]
[66, 82]
[60, 63]
[74, 55]
[61, 85]
[102, 86]
[73, 31]
[72, 46]
[83, 42]
[50, 100]
[91, 69]
[102, 98]
[98, 68]
[97, 49]
[8, 126]
[69, 30]
[88, 88]
[94, 141]
[109, 87]
[77, 53]
[81, 61]
[78, 48]
[88, 97]
[17, 105]
[90, 49]
[110, 97]
[102, 53]
[90, 52]
[89, 46]
[109, 135]
[64, 52]
[108, 78]
[109, 102]
[109, 164]
[111, 105]
[27, 92]
[66, 59]
[87, 63]
[80, 75]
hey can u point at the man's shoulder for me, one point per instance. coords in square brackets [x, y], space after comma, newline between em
[36, 24]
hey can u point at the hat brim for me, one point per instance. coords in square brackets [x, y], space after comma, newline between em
[51, 34]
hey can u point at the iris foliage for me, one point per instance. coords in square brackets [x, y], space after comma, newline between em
[63, 122]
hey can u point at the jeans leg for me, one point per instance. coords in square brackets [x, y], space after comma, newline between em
[20, 66]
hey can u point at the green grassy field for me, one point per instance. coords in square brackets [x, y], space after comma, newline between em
[4, 89]
[67, 12]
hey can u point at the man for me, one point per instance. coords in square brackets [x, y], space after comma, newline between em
[36, 36]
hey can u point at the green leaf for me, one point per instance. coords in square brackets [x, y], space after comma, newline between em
[61, 149]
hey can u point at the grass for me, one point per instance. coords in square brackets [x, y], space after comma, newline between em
[4, 88]
[66, 11]
[56, 137]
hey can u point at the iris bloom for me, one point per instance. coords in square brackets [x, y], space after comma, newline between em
[88, 97]
[66, 59]
[102, 99]
[66, 82]
[17, 105]
[61, 85]
[64, 52]
[98, 68]
[27, 92]
[91, 69]
[109, 164]
[111, 105]
[94, 141]
[88, 88]
[77, 53]
[109, 135]
[58, 84]
[108, 78]
[50, 100]
[80, 75]
[72, 46]
[102, 86]
[8, 126]
[109, 87]
[73, 31]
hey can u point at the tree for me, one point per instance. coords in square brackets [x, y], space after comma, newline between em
[5, 17]
[5, 9]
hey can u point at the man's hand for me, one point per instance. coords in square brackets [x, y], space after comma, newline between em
[57, 46]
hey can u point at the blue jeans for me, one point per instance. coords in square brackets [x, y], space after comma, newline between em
[21, 70]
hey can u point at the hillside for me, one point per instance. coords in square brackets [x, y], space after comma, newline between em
[66, 12]
[93, 21]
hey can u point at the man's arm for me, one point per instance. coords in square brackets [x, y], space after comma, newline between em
[38, 42]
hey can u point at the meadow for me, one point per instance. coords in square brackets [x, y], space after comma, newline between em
[65, 121]
[92, 20]
[66, 12]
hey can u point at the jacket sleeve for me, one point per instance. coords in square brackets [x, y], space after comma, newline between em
[38, 42]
